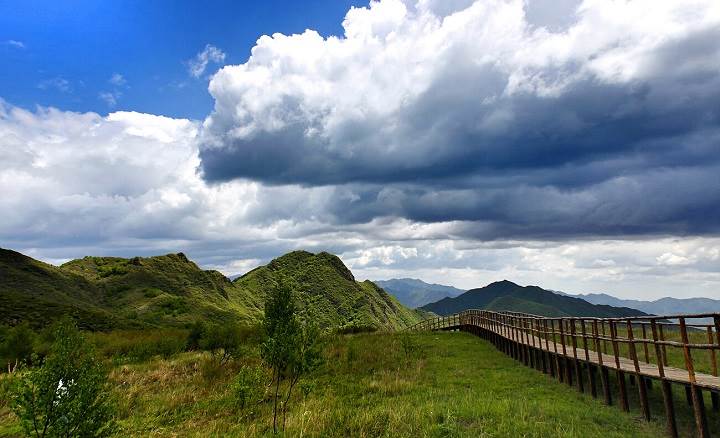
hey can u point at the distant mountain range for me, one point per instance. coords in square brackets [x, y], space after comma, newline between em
[416, 293]
[662, 306]
[170, 290]
[506, 295]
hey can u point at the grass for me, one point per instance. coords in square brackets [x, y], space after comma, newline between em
[371, 384]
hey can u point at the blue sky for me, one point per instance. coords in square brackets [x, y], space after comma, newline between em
[573, 144]
[67, 52]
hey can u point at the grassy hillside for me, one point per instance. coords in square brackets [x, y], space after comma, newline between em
[525, 298]
[419, 385]
[166, 290]
[326, 288]
[37, 292]
[172, 291]
[514, 304]
[415, 293]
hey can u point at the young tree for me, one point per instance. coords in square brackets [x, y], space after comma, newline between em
[291, 346]
[67, 395]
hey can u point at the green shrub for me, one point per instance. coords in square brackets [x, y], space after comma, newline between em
[409, 346]
[197, 331]
[151, 292]
[227, 341]
[307, 387]
[130, 346]
[355, 327]
[248, 388]
[112, 270]
[174, 306]
[17, 346]
[67, 395]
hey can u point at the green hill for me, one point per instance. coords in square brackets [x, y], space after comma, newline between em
[165, 290]
[326, 288]
[506, 295]
[37, 292]
[513, 304]
[172, 291]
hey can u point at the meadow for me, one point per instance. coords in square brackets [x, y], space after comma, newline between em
[369, 384]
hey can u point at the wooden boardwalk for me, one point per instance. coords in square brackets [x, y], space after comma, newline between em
[580, 350]
[677, 375]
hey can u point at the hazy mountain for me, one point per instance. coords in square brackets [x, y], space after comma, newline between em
[506, 295]
[415, 293]
[170, 290]
[662, 306]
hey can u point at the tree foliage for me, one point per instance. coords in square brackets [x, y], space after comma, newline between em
[16, 346]
[291, 347]
[66, 396]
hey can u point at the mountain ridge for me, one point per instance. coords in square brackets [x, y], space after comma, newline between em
[414, 292]
[524, 296]
[171, 290]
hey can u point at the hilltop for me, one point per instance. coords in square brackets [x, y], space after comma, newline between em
[38, 292]
[416, 293]
[506, 295]
[172, 291]
[326, 288]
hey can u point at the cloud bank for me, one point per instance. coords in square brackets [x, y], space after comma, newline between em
[470, 111]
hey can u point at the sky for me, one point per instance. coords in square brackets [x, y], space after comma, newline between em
[569, 144]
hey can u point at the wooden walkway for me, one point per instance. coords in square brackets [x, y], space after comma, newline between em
[580, 350]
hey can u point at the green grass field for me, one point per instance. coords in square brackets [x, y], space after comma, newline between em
[429, 384]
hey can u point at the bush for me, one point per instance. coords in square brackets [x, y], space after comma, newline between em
[354, 327]
[248, 388]
[135, 345]
[409, 346]
[109, 271]
[226, 341]
[16, 346]
[67, 395]
[197, 331]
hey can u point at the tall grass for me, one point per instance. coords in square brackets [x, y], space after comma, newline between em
[394, 385]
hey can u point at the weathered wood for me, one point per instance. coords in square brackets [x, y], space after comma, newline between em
[666, 388]
[642, 389]
[604, 378]
[669, 408]
[695, 392]
[622, 388]
[590, 367]
[578, 373]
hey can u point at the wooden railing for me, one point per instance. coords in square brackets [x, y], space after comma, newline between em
[680, 349]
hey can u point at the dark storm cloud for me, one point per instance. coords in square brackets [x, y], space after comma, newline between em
[596, 144]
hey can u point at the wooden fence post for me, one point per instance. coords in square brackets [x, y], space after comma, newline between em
[604, 377]
[666, 388]
[558, 369]
[695, 392]
[578, 372]
[624, 404]
[590, 367]
[566, 367]
[642, 389]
